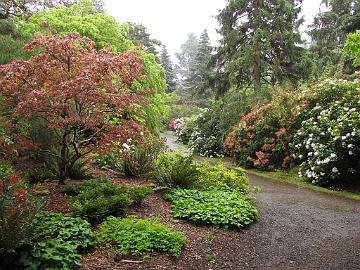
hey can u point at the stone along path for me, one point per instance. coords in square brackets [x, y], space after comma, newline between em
[298, 229]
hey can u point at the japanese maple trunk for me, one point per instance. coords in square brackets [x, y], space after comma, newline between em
[67, 161]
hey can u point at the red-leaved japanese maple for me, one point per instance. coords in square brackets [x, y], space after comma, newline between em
[82, 94]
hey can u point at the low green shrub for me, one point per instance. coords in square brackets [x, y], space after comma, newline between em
[48, 170]
[76, 189]
[140, 237]
[352, 47]
[223, 208]
[59, 239]
[98, 202]
[221, 177]
[173, 169]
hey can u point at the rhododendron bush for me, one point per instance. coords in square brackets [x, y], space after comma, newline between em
[318, 128]
[80, 93]
[328, 142]
[202, 133]
[262, 137]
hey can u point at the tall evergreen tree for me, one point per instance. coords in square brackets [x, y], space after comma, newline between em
[11, 42]
[204, 48]
[258, 45]
[329, 30]
[187, 59]
[203, 70]
[168, 66]
[140, 36]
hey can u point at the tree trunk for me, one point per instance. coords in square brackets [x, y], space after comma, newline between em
[257, 48]
[64, 159]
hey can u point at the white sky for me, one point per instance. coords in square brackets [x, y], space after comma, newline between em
[171, 20]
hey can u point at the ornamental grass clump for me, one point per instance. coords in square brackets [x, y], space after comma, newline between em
[173, 169]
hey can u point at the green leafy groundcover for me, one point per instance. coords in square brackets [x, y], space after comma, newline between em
[140, 237]
[223, 208]
[96, 200]
[59, 239]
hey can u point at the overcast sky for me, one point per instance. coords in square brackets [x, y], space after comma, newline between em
[171, 20]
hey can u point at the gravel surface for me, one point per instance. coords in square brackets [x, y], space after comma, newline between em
[298, 229]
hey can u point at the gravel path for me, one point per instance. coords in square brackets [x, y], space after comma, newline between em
[298, 229]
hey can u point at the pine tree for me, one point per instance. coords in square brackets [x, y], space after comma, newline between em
[203, 70]
[258, 45]
[329, 30]
[140, 36]
[169, 70]
[11, 42]
[187, 60]
[204, 48]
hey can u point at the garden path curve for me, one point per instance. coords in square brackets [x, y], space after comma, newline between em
[298, 229]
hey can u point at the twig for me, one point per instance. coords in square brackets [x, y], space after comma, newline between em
[130, 261]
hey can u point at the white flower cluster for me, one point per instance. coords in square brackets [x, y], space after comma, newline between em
[328, 143]
[199, 140]
[203, 144]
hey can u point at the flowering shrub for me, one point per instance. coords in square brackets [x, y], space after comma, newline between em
[185, 129]
[176, 124]
[202, 133]
[262, 137]
[17, 209]
[328, 142]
